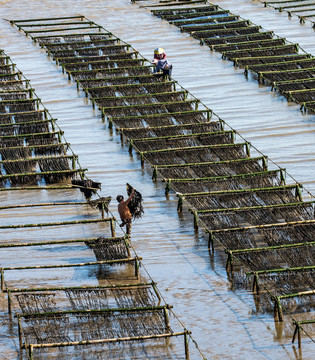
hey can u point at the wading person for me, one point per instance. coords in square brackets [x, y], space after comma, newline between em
[124, 211]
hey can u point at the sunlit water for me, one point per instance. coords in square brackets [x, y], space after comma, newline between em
[223, 322]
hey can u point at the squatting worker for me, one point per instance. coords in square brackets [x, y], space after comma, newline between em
[124, 211]
[161, 63]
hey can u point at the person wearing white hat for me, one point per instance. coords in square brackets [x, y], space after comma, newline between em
[159, 54]
[161, 63]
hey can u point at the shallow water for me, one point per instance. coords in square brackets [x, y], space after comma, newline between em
[223, 322]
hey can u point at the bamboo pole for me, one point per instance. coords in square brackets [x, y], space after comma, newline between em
[27, 188]
[36, 158]
[43, 173]
[55, 242]
[14, 22]
[87, 287]
[137, 96]
[165, 103]
[246, 208]
[150, 116]
[104, 70]
[224, 177]
[55, 30]
[60, 223]
[32, 135]
[36, 38]
[109, 262]
[242, 160]
[44, 204]
[223, 32]
[274, 247]
[266, 226]
[103, 341]
[184, 148]
[56, 24]
[301, 293]
[92, 311]
[238, 191]
[162, 127]
[23, 112]
[70, 44]
[128, 86]
[19, 124]
[102, 62]
[184, 136]
[270, 271]
[191, 15]
[19, 101]
[186, 345]
[53, 53]
[212, 26]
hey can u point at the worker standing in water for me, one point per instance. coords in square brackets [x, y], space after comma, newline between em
[124, 211]
[161, 63]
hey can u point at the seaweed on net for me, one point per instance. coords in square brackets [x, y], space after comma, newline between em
[103, 325]
[14, 96]
[81, 299]
[20, 166]
[17, 153]
[31, 116]
[149, 109]
[172, 129]
[258, 216]
[195, 155]
[134, 297]
[171, 143]
[110, 73]
[245, 166]
[100, 298]
[87, 187]
[135, 205]
[242, 199]
[108, 249]
[246, 182]
[101, 204]
[12, 85]
[18, 106]
[278, 284]
[54, 164]
[36, 303]
[138, 100]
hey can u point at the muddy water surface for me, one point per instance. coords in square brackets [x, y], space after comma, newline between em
[223, 322]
